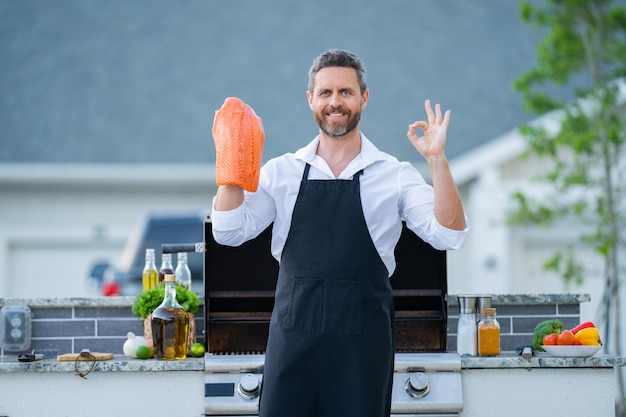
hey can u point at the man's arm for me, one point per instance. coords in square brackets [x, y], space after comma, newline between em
[238, 218]
[448, 207]
[228, 197]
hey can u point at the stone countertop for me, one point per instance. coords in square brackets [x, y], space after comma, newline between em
[119, 363]
[542, 360]
[526, 298]
[70, 302]
[128, 301]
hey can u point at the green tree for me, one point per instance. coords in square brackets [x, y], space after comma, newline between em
[582, 56]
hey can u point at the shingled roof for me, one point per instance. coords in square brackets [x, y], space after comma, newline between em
[128, 81]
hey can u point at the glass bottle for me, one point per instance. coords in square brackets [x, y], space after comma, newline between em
[489, 333]
[166, 266]
[183, 273]
[170, 325]
[466, 335]
[150, 272]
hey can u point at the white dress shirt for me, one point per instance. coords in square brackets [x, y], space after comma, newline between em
[390, 191]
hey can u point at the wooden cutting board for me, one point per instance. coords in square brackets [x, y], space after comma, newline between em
[71, 357]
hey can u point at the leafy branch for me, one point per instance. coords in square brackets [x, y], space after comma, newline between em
[583, 54]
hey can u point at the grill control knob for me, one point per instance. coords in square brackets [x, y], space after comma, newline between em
[417, 386]
[249, 387]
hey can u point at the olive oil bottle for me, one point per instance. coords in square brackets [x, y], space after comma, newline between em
[170, 325]
[150, 273]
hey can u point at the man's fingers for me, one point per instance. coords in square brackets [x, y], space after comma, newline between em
[446, 119]
[435, 117]
[437, 114]
[419, 124]
[429, 112]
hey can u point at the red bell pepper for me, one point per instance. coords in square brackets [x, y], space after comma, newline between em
[581, 326]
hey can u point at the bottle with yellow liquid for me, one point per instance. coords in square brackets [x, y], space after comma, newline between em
[150, 277]
[170, 325]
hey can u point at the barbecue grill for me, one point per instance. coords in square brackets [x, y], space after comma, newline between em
[239, 285]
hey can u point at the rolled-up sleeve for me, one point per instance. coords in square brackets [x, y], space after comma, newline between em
[418, 203]
[442, 238]
[234, 227]
[228, 226]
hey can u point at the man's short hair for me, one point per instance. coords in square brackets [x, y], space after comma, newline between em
[338, 58]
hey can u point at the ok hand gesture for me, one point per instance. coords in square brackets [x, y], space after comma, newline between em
[433, 143]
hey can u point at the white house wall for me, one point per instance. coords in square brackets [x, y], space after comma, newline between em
[504, 259]
[56, 221]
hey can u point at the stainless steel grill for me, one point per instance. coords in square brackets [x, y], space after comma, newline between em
[424, 384]
[239, 288]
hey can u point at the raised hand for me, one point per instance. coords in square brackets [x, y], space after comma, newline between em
[433, 142]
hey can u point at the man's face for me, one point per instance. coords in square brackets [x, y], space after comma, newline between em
[336, 100]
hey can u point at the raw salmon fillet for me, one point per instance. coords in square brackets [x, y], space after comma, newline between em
[238, 135]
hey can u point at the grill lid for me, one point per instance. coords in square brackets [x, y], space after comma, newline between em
[239, 284]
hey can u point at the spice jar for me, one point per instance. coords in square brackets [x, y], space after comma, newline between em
[488, 333]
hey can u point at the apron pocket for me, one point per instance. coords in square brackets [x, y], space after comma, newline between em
[342, 307]
[324, 306]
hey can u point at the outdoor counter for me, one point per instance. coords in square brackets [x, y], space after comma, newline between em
[540, 360]
[505, 385]
[121, 363]
[115, 387]
[509, 385]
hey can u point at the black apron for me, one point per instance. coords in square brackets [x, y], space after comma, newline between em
[331, 345]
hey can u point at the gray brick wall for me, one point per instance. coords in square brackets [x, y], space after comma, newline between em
[59, 330]
[517, 321]
[103, 328]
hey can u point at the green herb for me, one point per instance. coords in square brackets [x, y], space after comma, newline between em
[146, 302]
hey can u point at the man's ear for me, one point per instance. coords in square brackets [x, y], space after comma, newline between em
[309, 97]
[364, 97]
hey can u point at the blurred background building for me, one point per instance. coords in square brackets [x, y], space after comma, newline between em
[106, 111]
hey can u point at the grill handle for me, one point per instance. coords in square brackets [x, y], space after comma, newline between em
[183, 247]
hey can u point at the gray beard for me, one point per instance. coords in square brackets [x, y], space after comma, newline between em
[339, 130]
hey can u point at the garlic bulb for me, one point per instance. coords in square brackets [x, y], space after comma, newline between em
[132, 343]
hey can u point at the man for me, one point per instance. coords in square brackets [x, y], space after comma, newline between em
[337, 206]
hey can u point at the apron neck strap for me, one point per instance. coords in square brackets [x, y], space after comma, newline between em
[305, 174]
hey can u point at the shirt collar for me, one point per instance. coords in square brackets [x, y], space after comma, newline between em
[369, 152]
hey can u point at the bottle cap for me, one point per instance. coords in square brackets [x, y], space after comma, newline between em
[467, 304]
[169, 278]
[489, 311]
